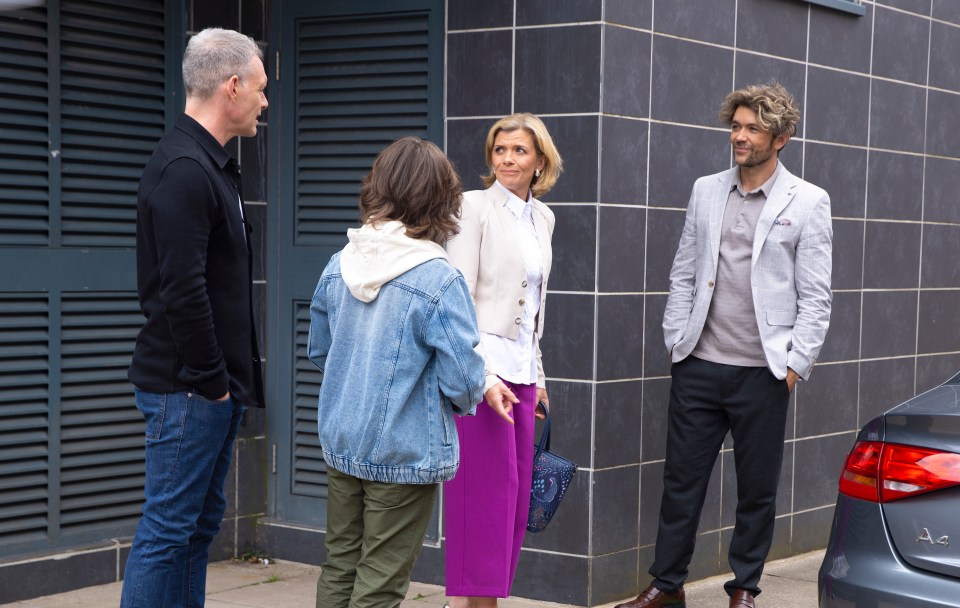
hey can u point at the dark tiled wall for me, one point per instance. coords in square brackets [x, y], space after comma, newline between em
[630, 91]
[246, 486]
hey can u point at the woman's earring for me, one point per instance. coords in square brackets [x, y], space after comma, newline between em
[537, 173]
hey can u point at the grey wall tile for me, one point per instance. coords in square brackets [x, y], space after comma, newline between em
[214, 14]
[883, 384]
[663, 236]
[689, 81]
[571, 420]
[567, 343]
[614, 577]
[465, 142]
[758, 69]
[946, 10]
[655, 359]
[618, 419]
[576, 138]
[832, 117]
[656, 403]
[569, 576]
[619, 337]
[934, 370]
[811, 529]
[941, 190]
[621, 249]
[558, 69]
[941, 250]
[921, 7]
[894, 186]
[539, 12]
[777, 27]
[843, 337]
[842, 172]
[791, 156]
[706, 559]
[944, 49]
[707, 20]
[651, 492]
[626, 72]
[841, 40]
[252, 462]
[891, 256]
[469, 15]
[478, 82]
[847, 254]
[574, 248]
[822, 459]
[253, 162]
[900, 46]
[939, 331]
[827, 402]
[897, 116]
[623, 161]
[678, 156]
[616, 492]
[569, 529]
[889, 324]
[635, 13]
[943, 110]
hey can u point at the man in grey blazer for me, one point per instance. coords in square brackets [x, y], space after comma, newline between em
[748, 310]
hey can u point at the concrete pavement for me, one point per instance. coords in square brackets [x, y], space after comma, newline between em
[787, 583]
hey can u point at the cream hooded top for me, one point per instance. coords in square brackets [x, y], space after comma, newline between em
[380, 252]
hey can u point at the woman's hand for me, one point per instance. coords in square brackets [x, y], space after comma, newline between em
[542, 398]
[501, 399]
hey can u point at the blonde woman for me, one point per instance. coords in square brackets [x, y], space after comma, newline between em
[503, 250]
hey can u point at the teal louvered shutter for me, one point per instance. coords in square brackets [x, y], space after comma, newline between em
[86, 98]
[25, 132]
[361, 75]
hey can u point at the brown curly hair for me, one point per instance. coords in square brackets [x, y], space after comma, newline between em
[777, 110]
[412, 182]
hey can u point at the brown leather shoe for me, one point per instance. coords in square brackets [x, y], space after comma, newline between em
[742, 598]
[654, 598]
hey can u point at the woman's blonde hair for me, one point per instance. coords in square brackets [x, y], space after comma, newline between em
[553, 164]
[777, 110]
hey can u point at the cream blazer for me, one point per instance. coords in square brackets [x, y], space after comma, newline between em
[485, 252]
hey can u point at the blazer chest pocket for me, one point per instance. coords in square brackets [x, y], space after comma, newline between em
[786, 318]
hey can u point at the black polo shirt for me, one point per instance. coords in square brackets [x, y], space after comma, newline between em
[194, 272]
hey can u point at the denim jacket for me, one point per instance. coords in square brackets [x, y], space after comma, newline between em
[393, 328]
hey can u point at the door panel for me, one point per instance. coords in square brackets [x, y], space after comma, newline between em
[354, 76]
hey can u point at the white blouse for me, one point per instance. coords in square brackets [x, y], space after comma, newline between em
[516, 360]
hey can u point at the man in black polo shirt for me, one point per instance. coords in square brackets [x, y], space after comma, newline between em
[196, 363]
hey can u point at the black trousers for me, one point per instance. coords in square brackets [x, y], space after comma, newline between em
[707, 400]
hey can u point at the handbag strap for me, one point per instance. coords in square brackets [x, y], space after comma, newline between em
[545, 436]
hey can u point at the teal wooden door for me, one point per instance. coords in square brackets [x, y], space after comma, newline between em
[352, 77]
[86, 95]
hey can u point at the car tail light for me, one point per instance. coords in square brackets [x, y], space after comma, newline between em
[882, 472]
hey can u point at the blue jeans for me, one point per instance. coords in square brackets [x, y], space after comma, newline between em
[189, 442]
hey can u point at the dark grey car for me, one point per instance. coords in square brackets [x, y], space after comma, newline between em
[895, 540]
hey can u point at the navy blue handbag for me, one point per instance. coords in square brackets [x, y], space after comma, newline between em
[552, 475]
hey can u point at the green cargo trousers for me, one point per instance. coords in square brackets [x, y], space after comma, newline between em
[374, 534]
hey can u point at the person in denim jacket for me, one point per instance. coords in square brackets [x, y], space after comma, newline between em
[393, 327]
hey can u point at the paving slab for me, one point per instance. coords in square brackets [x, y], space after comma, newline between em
[787, 583]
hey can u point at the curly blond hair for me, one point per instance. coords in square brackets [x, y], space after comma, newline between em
[777, 110]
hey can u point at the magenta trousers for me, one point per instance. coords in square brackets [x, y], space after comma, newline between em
[487, 502]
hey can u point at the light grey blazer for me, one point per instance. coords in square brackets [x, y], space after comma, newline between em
[790, 275]
[487, 254]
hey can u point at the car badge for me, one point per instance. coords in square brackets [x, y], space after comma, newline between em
[925, 537]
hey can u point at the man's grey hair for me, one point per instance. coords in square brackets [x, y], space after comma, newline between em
[213, 56]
